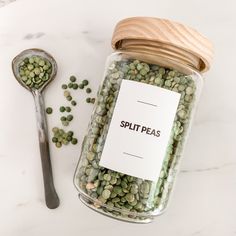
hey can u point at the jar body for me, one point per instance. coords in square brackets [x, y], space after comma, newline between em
[118, 194]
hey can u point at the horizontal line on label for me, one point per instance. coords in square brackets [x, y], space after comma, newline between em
[129, 154]
[147, 103]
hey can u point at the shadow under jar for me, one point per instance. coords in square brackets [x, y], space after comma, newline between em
[141, 119]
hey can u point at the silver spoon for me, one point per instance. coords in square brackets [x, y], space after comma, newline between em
[51, 198]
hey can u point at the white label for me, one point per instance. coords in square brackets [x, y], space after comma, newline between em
[140, 130]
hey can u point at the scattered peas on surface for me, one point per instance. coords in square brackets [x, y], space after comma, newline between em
[69, 117]
[65, 142]
[55, 130]
[49, 110]
[58, 144]
[54, 140]
[73, 103]
[66, 93]
[75, 86]
[60, 136]
[72, 78]
[62, 109]
[88, 100]
[70, 85]
[63, 118]
[74, 141]
[88, 90]
[64, 86]
[68, 109]
[65, 122]
[92, 100]
[85, 82]
[68, 98]
[81, 86]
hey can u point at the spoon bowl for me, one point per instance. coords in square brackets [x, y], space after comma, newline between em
[28, 53]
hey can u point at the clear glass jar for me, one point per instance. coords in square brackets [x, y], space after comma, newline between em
[141, 119]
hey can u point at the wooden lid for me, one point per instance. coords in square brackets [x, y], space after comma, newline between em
[165, 38]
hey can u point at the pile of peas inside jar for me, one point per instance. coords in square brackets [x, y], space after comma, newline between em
[117, 193]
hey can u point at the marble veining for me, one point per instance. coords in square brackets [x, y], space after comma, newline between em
[34, 36]
[5, 2]
[213, 168]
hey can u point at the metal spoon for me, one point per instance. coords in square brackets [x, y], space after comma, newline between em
[51, 198]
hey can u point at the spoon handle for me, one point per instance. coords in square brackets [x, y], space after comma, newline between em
[51, 198]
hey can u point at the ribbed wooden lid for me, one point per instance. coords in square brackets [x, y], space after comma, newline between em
[166, 36]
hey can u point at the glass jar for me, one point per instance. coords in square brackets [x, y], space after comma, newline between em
[141, 119]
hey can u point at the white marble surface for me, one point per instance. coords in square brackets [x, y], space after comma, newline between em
[5, 2]
[78, 34]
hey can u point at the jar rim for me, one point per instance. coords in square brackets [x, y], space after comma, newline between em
[159, 60]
